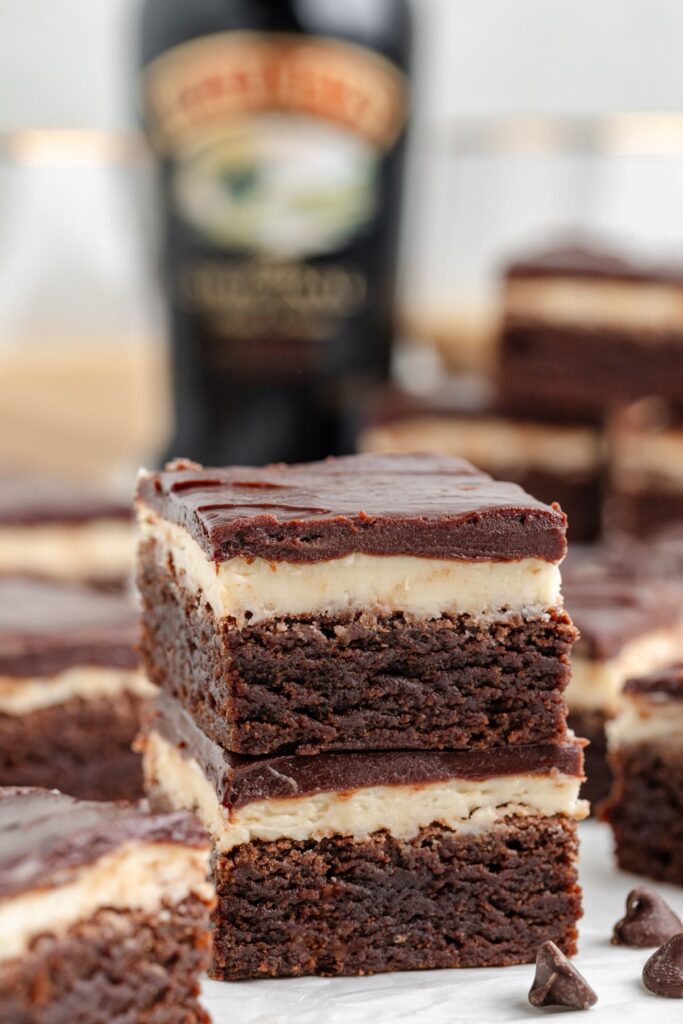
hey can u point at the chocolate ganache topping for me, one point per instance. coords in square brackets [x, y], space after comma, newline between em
[425, 505]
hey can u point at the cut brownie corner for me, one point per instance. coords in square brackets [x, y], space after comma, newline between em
[137, 966]
[104, 912]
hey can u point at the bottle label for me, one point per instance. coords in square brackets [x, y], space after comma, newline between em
[275, 139]
[275, 145]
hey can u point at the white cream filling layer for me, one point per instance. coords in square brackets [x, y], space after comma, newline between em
[597, 685]
[137, 876]
[96, 551]
[250, 590]
[22, 696]
[497, 445]
[464, 806]
[642, 720]
[629, 306]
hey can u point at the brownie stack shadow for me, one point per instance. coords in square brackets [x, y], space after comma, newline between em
[362, 665]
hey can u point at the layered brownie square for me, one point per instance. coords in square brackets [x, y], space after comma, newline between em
[585, 329]
[554, 461]
[356, 863]
[627, 626]
[645, 807]
[71, 690]
[104, 912]
[368, 602]
[646, 469]
[54, 529]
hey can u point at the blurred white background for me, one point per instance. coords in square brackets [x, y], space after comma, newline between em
[74, 252]
[69, 63]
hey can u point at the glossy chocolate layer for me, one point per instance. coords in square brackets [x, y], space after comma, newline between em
[241, 780]
[610, 611]
[590, 261]
[31, 501]
[46, 837]
[666, 684]
[426, 505]
[46, 627]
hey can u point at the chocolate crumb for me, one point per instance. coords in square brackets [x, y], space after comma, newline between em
[558, 983]
[649, 920]
[663, 972]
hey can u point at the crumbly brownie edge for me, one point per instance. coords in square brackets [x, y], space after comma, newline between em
[441, 900]
[645, 809]
[82, 747]
[115, 967]
[307, 686]
[590, 725]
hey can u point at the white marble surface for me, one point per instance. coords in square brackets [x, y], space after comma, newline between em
[451, 997]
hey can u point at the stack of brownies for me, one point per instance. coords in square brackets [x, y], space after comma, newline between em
[362, 665]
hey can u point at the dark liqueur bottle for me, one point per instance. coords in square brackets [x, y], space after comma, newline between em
[279, 127]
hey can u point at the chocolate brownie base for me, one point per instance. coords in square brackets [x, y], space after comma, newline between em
[590, 725]
[585, 370]
[339, 906]
[311, 685]
[82, 747]
[116, 966]
[645, 809]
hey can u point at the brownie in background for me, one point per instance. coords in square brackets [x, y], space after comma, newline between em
[555, 460]
[645, 806]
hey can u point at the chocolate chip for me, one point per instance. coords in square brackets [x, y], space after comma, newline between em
[649, 921]
[558, 983]
[663, 972]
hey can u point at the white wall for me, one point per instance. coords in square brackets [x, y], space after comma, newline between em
[68, 62]
[581, 56]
